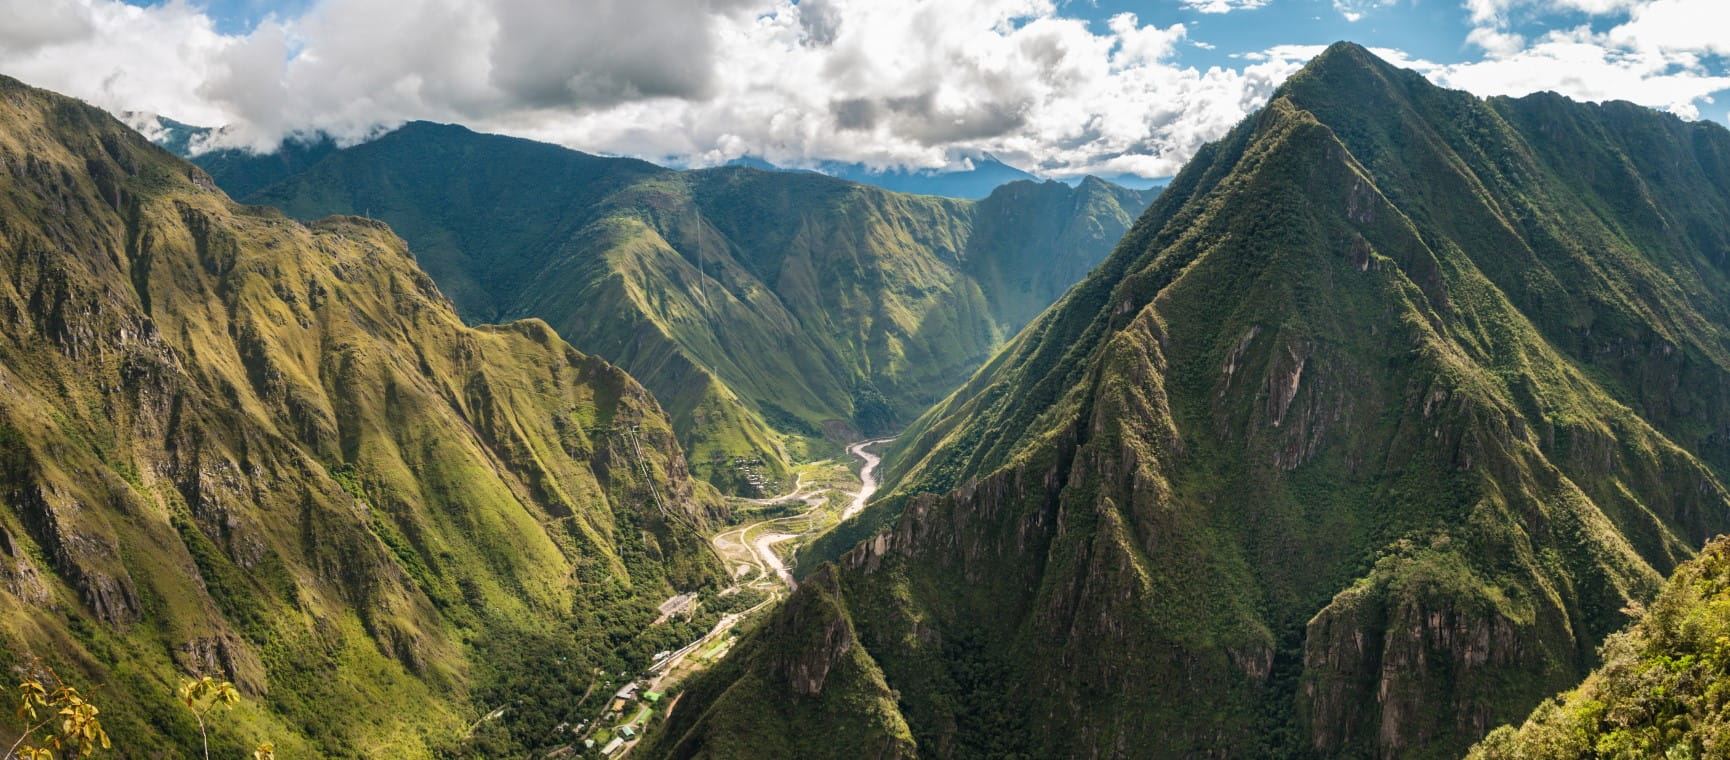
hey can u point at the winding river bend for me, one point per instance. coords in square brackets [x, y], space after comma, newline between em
[752, 547]
[867, 476]
[749, 553]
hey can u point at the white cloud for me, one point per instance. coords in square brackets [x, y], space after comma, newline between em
[27, 25]
[114, 55]
[1653, 56]
[1495, 42]
[1355, 10]
[919, 83]
[1223, 6]
[1695, 26]
[886, 82]
[1581, 65]
[1498, 12]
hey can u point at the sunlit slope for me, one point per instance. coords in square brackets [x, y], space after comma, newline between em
[1660, 691]
[1359, 444]
[773, 313]
[233, 444]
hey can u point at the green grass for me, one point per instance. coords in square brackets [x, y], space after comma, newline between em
[1660, 691]
[773, 314]
[1384, 412]
[236, 445]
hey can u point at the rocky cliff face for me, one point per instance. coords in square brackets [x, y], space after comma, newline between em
[238, 445]
[772, 313]
[1660, 689]
[1322, 460]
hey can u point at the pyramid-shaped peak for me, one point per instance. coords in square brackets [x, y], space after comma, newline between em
[1349, 76]
[1346, 62]
[1346, 50]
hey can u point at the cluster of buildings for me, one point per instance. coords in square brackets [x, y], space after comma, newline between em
[750, 470]
[627, 697]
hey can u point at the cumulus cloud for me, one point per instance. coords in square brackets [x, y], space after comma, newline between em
[1653, 56]
[1500, 11]
[1496, 43]
[1354, 10]
[114, 55]
[1690, 26]
[885, 82]
[27, 25]
[913, 83]
[1223, 6]
[1585, 66]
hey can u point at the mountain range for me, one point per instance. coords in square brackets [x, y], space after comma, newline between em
[1397, 426]
[1360, 442]
[244, 172]
[982, 175]
[238, 445]
[774, 314]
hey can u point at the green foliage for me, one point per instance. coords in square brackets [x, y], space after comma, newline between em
[234, 443]
[745, 598]
[871, 411]
[743, 709]
[768, 311]
[1663, 687]
[1361, 440]
[204, 694]
[55, 720]
[787, 422]
[566, 674]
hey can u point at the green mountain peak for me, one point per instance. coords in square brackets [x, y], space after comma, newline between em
[241, 446]
[1359, 443]
[775, 314]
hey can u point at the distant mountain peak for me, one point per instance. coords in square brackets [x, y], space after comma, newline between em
[986, 173]
[1346, 70]
[1304, 467]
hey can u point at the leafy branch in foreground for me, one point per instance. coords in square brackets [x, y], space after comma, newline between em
[39, 706]
[203, 695]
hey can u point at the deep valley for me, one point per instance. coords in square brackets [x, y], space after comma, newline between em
[875, 423]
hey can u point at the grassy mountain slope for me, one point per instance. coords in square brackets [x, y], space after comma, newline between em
[232, 444]
[1662, 687]
[769, 311]
[239, 172]
[246, 173]
[1357, 445]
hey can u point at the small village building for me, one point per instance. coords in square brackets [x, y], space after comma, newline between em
[651, 697]
[628, 732]
[628, 691]
[612, 746]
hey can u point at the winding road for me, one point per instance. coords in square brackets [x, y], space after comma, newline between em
[757, 552]
[751, 548]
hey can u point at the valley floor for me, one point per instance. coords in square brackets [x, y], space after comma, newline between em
[824, 494]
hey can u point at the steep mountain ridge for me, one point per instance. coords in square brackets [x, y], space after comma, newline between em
[1661, 689]
[772, 313]
[1324, 459]
[233, 444]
